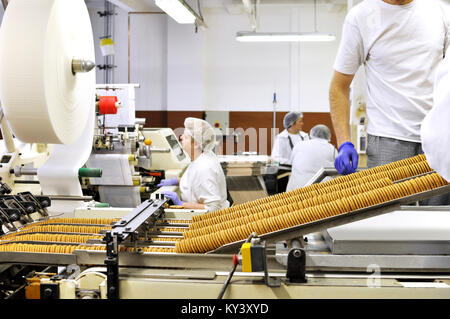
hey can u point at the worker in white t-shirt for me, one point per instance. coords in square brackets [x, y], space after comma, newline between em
[286, 140]
[310, 156]
[400, 44]
[436, 142]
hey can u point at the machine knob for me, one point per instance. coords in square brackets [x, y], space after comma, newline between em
[235, 260]
[47, 292]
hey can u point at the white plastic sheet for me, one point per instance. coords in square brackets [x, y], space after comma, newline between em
[116, 169]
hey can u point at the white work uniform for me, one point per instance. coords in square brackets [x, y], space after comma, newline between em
[204, 182]
[308, 158]
[435, 131]
[400, 47]
[283, 145]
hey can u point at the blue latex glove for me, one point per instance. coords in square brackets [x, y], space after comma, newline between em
[173, 197]
[346, 161]
[168, 182]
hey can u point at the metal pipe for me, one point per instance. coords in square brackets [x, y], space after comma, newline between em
[69, 197]
[19, 171]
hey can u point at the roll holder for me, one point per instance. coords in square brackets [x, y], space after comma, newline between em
[18, 208]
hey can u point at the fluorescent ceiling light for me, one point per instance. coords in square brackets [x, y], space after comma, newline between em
[283, 37]
[177, 10]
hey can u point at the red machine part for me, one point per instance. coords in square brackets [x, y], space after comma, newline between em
[107, 105]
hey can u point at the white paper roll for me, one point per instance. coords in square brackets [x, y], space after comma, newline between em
[43, 100]
[59, 174]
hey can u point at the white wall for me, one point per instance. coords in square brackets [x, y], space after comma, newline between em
[179, 69]
[244, 76]
[185, 62]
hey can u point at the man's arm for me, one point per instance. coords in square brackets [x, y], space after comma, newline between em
[340, 105]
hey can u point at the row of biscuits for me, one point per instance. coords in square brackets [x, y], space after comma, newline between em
[293, 202]
[70, 229]
[68, 249]
[210, 241]
[45, 237]
[36, 248]
[86, 221]
[418, 166]
[245, 216]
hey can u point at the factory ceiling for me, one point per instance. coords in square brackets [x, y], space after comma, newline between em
[229, 5]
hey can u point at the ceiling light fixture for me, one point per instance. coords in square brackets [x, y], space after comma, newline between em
[254, 36]
[283, 37]
[178, 10]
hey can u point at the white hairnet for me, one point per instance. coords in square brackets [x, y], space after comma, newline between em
[320, 131]
[290, 119]
[202, 132]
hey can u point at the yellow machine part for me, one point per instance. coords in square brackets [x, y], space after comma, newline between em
[33, 289]
[246, 257]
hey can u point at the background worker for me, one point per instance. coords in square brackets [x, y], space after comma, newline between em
[203, 184]
[282, 151]
[288, 138]
[310, 156]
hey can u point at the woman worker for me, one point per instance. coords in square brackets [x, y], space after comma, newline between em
[203, 184]
[288, 138]
[282, 150]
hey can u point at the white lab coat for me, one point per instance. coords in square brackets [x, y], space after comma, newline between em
[204, 182]
[308, 158]
[282, 150]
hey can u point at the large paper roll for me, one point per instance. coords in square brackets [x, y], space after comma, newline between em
[59, 174]
[43, 100]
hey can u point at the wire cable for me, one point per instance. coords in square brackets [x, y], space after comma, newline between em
[230, 275]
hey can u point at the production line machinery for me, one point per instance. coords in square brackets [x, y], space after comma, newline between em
[155, 252]
[133, 159]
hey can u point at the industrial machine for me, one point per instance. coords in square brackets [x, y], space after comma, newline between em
[244, 174]
[341, 237]
[154, 252]
[133, 159]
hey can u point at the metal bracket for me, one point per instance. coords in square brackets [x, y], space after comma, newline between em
[296, 262]
[269, 281]
[112, 264]
[49, 290]
[125, 229]
[106, 66]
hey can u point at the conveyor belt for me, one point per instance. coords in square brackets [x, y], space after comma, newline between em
[365, 194]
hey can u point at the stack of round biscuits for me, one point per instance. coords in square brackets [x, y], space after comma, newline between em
[307, 204]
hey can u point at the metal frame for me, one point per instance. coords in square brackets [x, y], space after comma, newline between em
[127, 227]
